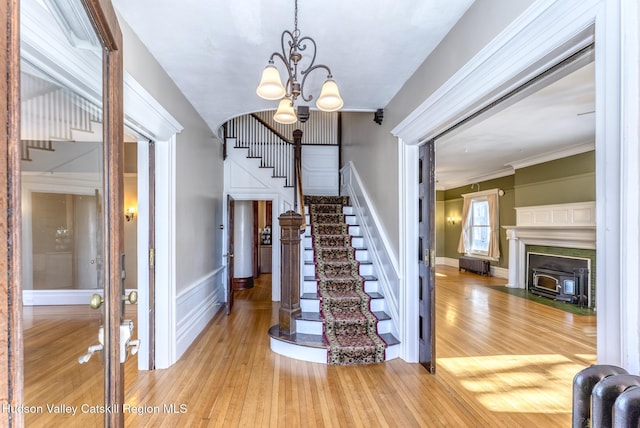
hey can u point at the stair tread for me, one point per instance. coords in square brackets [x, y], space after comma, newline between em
[365, 277]
[389, 339]
[316, 340]
[381, 315]
[302, 339]
[314, 296]
[315, 316]
[309, 316]
[355, 248]
[362, 262]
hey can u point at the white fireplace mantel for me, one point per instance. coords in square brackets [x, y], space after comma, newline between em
[562, 225]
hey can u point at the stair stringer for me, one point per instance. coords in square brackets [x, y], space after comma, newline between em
[380, 254]
[244, 175]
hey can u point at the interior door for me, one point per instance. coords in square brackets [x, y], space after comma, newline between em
[68, 107]
[426, 254]
[229, 255]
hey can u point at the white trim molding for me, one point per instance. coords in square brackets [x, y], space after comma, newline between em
[196, 306]
[547, 32]
[557, 215]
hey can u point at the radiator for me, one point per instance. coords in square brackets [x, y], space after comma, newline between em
[605, 396]
[473, 264]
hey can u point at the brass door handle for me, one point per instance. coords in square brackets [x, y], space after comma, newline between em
[131, 298]
[96, 301]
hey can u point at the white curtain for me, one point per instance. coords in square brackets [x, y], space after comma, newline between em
[465, 235]
[494, 220]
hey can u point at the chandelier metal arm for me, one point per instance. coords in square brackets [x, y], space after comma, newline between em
[288, 86]
[301, 46]
[306, 73]
[271, 87]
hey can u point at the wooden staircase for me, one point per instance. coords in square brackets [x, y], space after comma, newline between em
[307, 343]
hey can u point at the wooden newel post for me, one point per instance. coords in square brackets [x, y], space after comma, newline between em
[290, 223]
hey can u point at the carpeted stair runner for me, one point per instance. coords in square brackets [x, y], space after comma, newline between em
[350, 328]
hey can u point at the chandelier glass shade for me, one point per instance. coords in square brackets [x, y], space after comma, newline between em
[272, 88]
[285, 113]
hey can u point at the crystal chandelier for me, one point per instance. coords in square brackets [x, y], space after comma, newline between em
[271, 87]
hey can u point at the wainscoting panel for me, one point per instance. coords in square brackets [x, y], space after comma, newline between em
[196, 306]
[320, 175]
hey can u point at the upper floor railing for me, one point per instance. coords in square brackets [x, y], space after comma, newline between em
[272, 142]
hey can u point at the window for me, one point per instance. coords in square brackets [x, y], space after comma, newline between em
[480, 224]
[480, 227]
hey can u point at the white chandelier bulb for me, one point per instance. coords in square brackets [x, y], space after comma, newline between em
[270, 87]
[285, 113]
[329, 99]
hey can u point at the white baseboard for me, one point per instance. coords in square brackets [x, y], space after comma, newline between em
[498, 272]
[59, 297]
[196, 306]
[447, 261]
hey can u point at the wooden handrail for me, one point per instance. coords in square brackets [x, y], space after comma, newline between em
[298, 197]
[270, 128]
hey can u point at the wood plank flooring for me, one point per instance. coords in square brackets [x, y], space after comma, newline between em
[502, 361]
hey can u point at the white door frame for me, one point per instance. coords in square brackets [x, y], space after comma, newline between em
[147, 117]
[276, 208]
[539, 38]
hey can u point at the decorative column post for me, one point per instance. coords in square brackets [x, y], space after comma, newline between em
[290, 223]
[513, 258]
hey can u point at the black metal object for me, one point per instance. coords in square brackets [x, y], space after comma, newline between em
[583, 385]
[558, 277]
[378, 115]
[303, 113]
[481, 266]
[605, 394]
[626, 410]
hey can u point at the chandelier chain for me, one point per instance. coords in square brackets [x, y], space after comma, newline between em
[295, 21]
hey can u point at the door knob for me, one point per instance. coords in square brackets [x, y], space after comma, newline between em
[131, 298]
[96, 301]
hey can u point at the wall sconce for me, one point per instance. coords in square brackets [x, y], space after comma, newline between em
[451, 220]
[130, 213]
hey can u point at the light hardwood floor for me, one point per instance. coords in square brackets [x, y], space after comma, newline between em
[502, 361]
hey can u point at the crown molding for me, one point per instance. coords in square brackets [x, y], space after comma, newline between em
[550, 156]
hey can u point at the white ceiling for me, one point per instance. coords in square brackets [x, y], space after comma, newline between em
[556, 121]
[215, 51]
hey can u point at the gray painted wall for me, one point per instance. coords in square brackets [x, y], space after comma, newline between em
[373, 149]
[199, 169]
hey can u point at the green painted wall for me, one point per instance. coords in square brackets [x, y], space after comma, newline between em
[564, 180]
[560, 181]
[440, 223]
